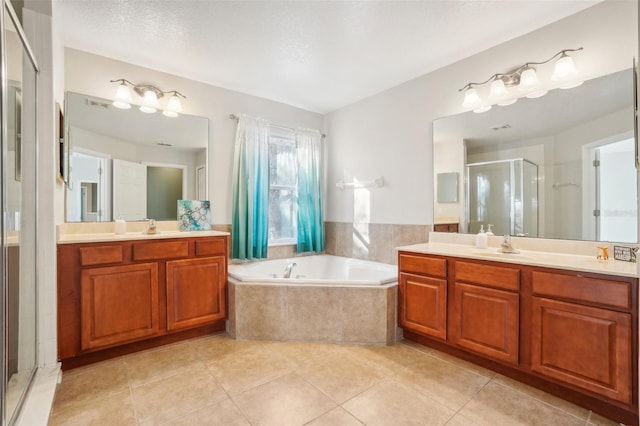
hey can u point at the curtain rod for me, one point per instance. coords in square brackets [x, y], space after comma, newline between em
[235, 117]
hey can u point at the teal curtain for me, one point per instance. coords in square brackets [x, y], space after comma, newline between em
[250, 210]
[310, 221]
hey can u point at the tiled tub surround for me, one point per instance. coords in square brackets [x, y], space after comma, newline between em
[314, 309]
[372, 241]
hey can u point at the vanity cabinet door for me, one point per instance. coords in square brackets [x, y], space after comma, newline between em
[585, 346]
[196, 291]
[118, 304]
[423, 304]
[485, 320]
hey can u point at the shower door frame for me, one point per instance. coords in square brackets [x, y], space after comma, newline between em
[512, 191]
[10, 418]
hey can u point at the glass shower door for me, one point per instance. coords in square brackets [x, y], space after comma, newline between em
[504, 194]
[19, 214]
[489, 190]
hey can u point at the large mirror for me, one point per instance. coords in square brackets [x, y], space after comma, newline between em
[560, 166]
[127, 164]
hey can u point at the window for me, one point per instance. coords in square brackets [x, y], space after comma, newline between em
[283, 191]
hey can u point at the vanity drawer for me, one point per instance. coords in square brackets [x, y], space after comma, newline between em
[160, 250]
[210, 247]
[423, 265]
[101, 255]
[488, 275]
[600, 291]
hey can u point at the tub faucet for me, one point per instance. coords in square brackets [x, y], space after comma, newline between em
[506, 247]
[288, 269]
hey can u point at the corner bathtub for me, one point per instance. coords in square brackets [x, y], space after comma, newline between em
[328, 299]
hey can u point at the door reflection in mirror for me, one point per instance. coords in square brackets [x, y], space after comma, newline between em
[133, 145]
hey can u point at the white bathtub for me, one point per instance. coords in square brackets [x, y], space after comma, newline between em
[320, 270]
[327, 299]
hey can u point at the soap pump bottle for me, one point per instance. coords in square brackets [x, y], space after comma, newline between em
[489, 231]
[120, 226]
[482, 241]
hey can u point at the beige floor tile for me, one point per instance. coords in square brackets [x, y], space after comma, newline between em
[212, 348]
[460, 420]
[446, 383]
[288, 400]
[462, 363]
[302, 356]
[80, 387]
[392, 403]
[224, 413]
[497, 404]
[390, 357]
[165, 399]
[247, 369]
[336, 417]
[416, 346]
[113, 410]
[563, 405]
[344, 378]
[598, 420]
[145, 367]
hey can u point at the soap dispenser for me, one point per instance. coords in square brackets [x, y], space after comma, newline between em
[489, 231]
[482, 241]
[120, 226]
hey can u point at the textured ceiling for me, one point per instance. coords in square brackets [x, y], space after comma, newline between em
[317, 55]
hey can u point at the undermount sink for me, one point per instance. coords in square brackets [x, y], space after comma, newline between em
[500, 255]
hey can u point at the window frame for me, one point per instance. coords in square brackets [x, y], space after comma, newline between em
[277, 136]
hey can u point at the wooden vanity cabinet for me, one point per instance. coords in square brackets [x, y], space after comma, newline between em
[195, 292]
[117, 297]
[485, 312]
[569, 333]
[446, 227]
[582, 332]
[422, 295]
[118, 304]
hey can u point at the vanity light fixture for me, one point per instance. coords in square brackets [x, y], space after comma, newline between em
[150, 95]
[525, 78]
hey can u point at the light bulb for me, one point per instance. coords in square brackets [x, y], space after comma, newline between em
[471, 99]
[528, 80]
[173, 107]
[565, 69]
[150, 102]
[508, 102]
[481, 109]
[497, 91]
[123, 97]
[537, 93]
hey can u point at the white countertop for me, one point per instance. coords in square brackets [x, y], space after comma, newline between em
[529, 257]
[106, 237]
[89, 232]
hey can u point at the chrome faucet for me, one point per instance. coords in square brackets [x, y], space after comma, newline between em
[506, 247]
[152, 227]
[288, 269]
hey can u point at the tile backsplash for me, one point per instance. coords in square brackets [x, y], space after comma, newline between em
[372, 241]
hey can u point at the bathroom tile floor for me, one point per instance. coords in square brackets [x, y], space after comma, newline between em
[216, 380]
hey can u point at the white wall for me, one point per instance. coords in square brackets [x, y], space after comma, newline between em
[389, 134]
[90, 74]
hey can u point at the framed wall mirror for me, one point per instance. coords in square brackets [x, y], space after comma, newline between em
[560, 166]
[129, 164]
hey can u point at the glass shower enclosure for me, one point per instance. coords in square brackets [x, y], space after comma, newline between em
[503, 193]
